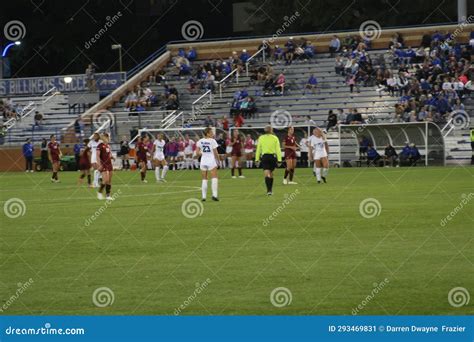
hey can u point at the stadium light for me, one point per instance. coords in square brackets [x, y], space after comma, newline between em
[119, 48]
[5, 50]
[67, 79]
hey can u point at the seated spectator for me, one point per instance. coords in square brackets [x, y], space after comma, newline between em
[192, 54]
[372, 156]
[192, 85]
[172, 102]
[356, 118]
[311, 84]
[290, 51]
[334, 45]
[364, 144]
[414, 155]
[280, 84]
[278, 53]
[131, 100]
[405, 155]
[339, 66]
[390, 156]
[332, 120]
[244, 56]
[209, 122]
[38, 118]
[309, 50]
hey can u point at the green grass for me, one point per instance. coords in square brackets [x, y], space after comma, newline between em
[319, 246]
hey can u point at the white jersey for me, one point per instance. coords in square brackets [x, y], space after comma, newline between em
[93, 146]
[207, 146]
[318, 146]
[159, 149]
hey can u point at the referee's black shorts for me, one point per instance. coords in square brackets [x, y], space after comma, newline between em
[268, 162]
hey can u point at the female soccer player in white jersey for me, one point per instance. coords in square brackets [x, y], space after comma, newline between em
[159, 159]
[207, 149]
[93, 147]
[319, 150]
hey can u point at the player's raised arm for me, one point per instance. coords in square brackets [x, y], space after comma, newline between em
[258, 152]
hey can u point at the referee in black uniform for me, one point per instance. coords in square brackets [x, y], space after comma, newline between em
[269, 153]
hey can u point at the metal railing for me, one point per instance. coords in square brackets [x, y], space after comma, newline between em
[195, 103]
[221, 82]
[252, 57]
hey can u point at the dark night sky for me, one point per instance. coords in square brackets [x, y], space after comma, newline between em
[56, 30]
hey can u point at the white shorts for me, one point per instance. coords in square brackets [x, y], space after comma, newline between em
[159, 156]
[207, 166]
[319, 155]
[188, 152]
[180, 154]
[228, 149]
[93, 158]
[248, 150]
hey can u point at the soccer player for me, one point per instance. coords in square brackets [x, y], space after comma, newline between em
[171, 149]
[221, 150]
[159, 159]
[54, 154]
[207, 149]
[188, 152]
[104, 161]
[319, 150]
[269, 152]
[85, 163]
[289, 144]
[180, 158]
[236, 153]
[93, 147]
[249, 147]
[142, 149]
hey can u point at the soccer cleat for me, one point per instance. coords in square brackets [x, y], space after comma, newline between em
[144, 181]
[269, 193]
[163, 180]
[204, 200]
[215, 199]
[292, 183]
[285, 181]
[319, 182]
[100, 196]
[324, 179]
[241, 176]
[234, 177]
[109, 198]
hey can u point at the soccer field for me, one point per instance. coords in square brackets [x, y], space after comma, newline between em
[370, 241]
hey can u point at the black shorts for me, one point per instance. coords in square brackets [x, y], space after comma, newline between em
[268, 162]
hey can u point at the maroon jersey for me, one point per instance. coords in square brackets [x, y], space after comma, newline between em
[54, 150]
[84, 160]
[141, 151]
[290, 141]
[105, 157]
[237, 147]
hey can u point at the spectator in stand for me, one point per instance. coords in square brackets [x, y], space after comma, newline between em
[90, 78]
[372, 156]
[192, 54]
[334, 45]
[38, 118]
[309, 50]
[209, 122]
[390, 156]
[364, 144]
[332, 120]
[311, 84]
[280, 84]
[278, 53]
[28, 151]
[244, 56]
[405, 155]
[290, 51]
[339, 66]
[356, 117]
[131, 100]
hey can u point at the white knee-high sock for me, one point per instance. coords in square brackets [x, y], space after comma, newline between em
[314, 168]
[325, 172]
[163, 173]
[96, 178]
[204, 188]
[157, 173]
[251, 163]
[214, 182]
[318, 173]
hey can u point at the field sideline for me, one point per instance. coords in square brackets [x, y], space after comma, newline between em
[152, 255]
